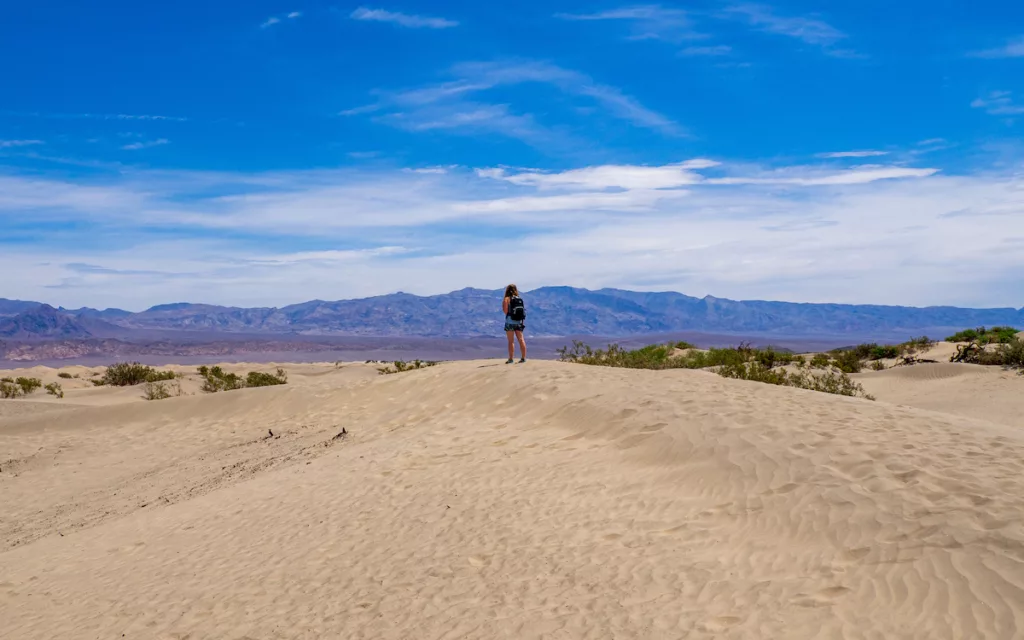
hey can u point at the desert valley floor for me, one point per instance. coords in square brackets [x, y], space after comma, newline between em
[548, 500]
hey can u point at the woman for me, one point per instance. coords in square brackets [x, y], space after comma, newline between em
[515, 322]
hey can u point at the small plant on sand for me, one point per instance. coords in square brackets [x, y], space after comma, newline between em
[54, 389]
[126, 374]
[216, 379]
[398, 366]
[9, 390]
[983, 336]
[260, 379]
[28, 385]
[65, 375]
[878, 365]
[846, 361]
[820, 361]
[161, 389]
[13, 388]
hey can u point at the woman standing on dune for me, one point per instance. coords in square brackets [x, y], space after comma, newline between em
[515, 322]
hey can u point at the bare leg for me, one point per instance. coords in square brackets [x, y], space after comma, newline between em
[522, 345]
[511, 345]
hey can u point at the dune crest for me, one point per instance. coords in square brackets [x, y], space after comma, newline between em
[473, 500]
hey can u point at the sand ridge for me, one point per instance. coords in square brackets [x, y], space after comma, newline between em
[474, 500]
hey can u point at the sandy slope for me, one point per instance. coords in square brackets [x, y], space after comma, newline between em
[480, 501]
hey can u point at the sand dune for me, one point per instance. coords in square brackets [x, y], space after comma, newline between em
[474, 500]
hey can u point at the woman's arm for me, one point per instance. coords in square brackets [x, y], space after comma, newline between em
[504, 306]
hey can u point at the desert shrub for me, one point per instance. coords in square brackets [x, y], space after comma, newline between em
[260, 379]
[684, 345]
[8, 380]
[1013, 353]
[398, 366]
[800, 361]
[54, 389]
[160, 389]
[847, 362]
[98, 382]
[216, 379]
[820, 361]
[126, 374]
[983, 336]
[64, 374]
[914, 345]
[9, 389]
[28, 385]
[878, 365]
[828, 382]
[754, 371]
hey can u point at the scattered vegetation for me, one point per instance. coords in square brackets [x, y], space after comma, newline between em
[65, 375]
[161, 389]
[54, 389]
[260, 379]
[15, 387]
[743, 362]
[983, 336]
[1008, 354]
[216, 379]
[127, 374]
[398, 366]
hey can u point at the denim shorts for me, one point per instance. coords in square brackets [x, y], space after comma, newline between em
[512, 325]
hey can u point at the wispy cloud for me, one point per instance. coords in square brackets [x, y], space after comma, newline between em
[272, 20]
[1012, 49]
[717, 50]
[806, 29]
[853, 154]
[998, 103]
[145, 144]
[402, 19]
[6, 144]
[457, 105]
[697, 226]
[93, 116]
[647, 22]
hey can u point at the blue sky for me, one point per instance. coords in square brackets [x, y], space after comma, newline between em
[265, 153]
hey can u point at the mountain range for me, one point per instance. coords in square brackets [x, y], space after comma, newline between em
[552, 311]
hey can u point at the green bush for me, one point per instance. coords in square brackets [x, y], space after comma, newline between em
[160, 389]
[829, 382]
[847, 362]
[820, 361]
[9, 389]
[98, 382]
[983, 336]
[216, 379]
[64, 374]
[126, 374]
[54, 389]
[1013, 353]
[398, 366]
[28, 385]
[878, 365]
[260, 379]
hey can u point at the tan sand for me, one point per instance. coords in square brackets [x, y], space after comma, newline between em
[474, 500]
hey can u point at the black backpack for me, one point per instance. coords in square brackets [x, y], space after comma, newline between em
[516, 309]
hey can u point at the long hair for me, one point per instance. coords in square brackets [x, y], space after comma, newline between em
[511, 291]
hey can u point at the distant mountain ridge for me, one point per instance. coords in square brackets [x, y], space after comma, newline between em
[553, 311]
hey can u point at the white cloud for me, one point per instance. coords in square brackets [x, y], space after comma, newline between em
[998, 103]
[717, 50]
[6, 144]
[270, 22]
[806, 29]
[1012, 49]
[402, 19]
[890, 234]
[852, 154]
[145, 144]
[610, 176]
[648, 22]
[295, 14]
[448, 105]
